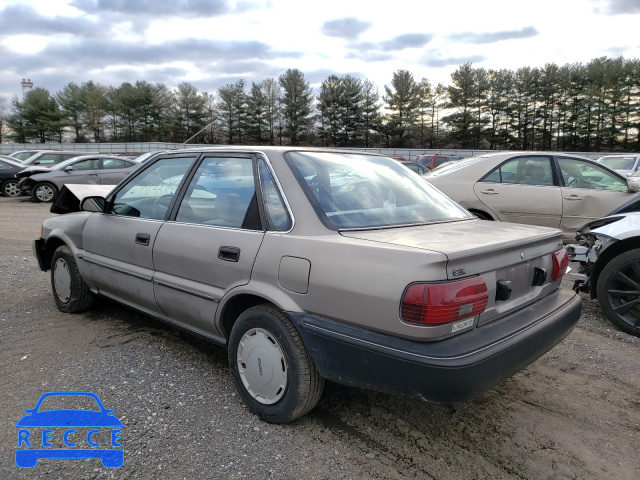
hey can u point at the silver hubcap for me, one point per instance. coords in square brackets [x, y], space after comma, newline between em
[11, 189]
[262, 366]
[44, 193]
[62, 280]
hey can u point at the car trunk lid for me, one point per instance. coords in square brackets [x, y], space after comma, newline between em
[516, 256]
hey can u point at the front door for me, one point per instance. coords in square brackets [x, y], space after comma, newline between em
[589, 192]
[118, 258]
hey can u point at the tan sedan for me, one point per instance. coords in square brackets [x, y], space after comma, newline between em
[312, 264]
[535, 188]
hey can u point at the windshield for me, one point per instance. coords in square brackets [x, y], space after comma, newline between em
[22, 156]
[362, 191]
[618, 163]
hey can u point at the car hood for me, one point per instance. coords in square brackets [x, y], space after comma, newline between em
[69, 418]
[462, 239]
[618, 227]
[28, 171]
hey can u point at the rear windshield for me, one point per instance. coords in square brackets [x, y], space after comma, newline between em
[353, 191]
[618, 163]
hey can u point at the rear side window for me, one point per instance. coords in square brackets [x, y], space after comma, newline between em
[275, 209]
[109, 163]
[89, 164]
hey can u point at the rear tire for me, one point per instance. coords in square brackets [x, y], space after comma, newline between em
[272, 369]
[482, 215]
[71, 293]
[44, 192]
[618, 291]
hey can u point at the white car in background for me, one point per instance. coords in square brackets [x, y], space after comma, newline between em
[625, 165]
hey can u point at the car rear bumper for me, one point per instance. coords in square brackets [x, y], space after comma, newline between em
[451, 370]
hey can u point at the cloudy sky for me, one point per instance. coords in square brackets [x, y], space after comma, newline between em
[212, 43]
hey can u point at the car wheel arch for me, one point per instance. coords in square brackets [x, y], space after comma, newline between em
[481, 214]
[235, 306]
[607, 255]
[50, 247]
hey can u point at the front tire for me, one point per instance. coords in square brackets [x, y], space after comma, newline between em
[10, 188]
[618, 291]
[44, 192]
[71, 293]
[272, 369]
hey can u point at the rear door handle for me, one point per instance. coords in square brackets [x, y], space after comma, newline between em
[229, 254]
[143, 239]
[491, 191]
[573, 197]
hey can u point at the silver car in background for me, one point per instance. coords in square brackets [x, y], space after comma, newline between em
[625, 165]
[43, 186]
[313, 264]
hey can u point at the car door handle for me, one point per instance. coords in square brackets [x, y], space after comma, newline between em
[93, 174]
[229, 254]
[491, 191]
[573, 197]
[143, 239]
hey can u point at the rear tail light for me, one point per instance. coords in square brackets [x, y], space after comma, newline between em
[439, 303]
[560, 264]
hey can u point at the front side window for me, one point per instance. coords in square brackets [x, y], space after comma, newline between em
[577, 173]
[222, 193]
[363, 191]
[523, 171]
[149, 194]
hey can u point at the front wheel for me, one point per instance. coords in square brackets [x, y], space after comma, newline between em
[272, 369]
[618, 291]
[71, 293]
[10, 188]
[44, 192]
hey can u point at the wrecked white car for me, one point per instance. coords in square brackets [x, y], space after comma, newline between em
[609, 256]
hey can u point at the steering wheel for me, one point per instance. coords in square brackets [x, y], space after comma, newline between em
[160, 206]
[574, 182]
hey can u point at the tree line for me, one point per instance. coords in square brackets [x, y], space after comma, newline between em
[575, 107]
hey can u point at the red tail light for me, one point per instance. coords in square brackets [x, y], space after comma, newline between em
[560, 264]
[438, 303]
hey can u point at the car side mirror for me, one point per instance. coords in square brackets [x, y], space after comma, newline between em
[632, 186]
[37, 162]
[93, 204]
[68, 168]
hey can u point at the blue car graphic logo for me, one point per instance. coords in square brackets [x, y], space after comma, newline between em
[69, 433]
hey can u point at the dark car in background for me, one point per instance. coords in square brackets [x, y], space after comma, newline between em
[8, 181]
[91, 169]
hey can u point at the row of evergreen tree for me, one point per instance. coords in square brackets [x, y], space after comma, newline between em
[577, 107]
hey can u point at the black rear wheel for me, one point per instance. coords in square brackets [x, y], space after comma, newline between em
[618, 291]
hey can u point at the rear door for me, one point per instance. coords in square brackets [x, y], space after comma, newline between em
[210, 245]
[522, 190]
[114, 170]
[118, 257]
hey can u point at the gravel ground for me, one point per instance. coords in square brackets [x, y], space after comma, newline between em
[575, 413]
